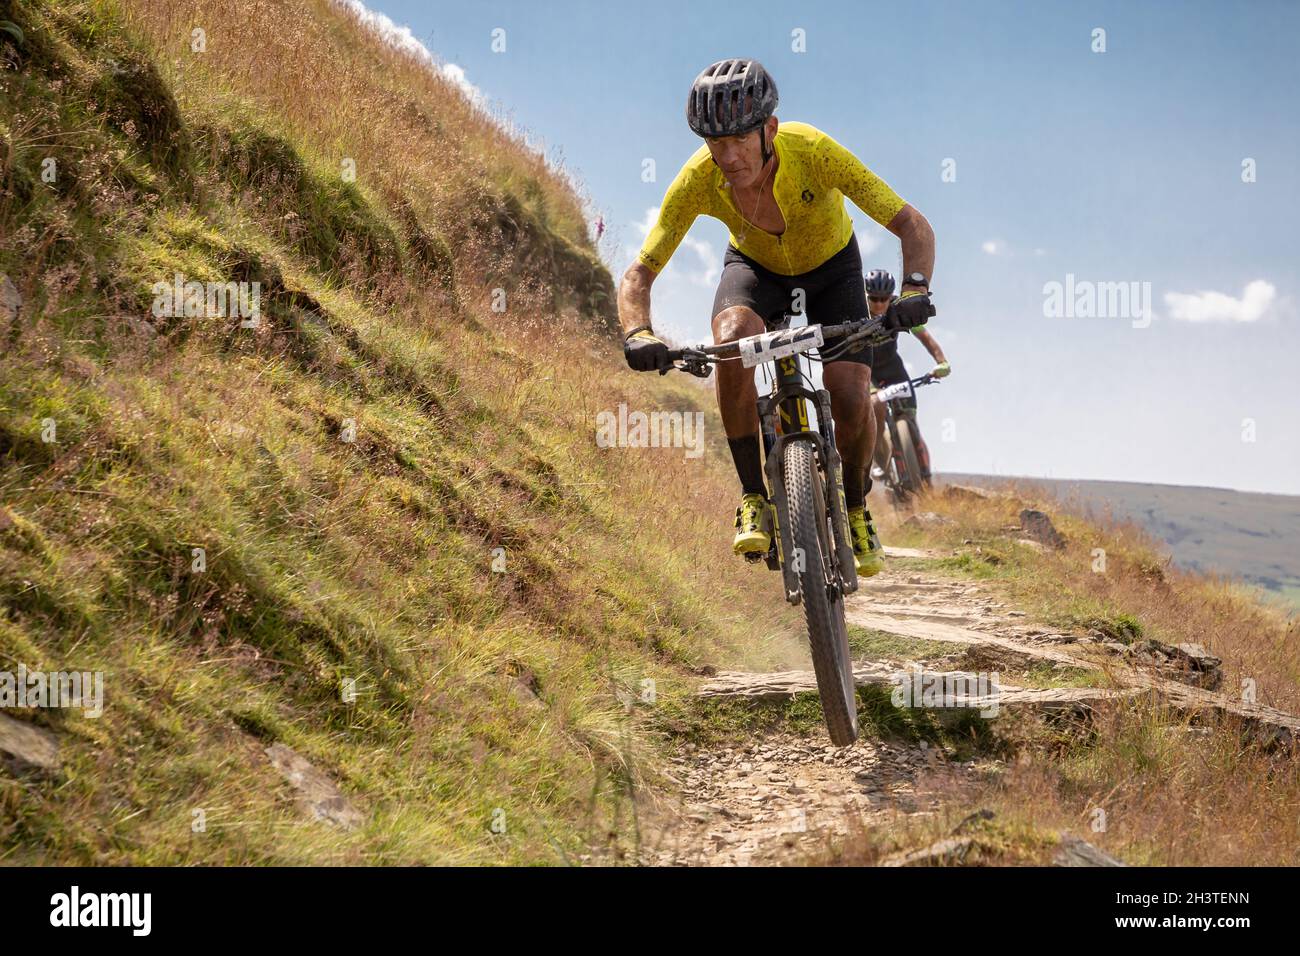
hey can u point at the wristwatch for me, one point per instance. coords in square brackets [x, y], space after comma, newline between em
[916, 278]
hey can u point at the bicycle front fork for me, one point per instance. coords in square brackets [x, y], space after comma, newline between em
[774, 442]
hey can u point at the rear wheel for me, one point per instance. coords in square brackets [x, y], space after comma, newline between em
[822, 598]
[911, 481]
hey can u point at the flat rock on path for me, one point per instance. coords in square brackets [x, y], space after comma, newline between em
[992, 627]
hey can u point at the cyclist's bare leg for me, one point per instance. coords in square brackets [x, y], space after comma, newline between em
[879, 452]
[734, 386]
[855, 424]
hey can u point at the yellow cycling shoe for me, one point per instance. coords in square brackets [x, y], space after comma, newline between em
[868, 554]
[753, 527]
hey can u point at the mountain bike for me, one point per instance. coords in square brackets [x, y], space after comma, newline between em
[811, 545]
[897, 446]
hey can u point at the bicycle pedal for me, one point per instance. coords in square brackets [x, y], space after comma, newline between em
[753, 557]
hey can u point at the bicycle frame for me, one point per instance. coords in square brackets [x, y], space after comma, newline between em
[783, 416]
[891, 423]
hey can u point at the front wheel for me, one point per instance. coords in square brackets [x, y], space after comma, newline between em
[822, 596]
[912, 481]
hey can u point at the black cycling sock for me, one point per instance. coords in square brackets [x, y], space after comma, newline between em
[749, 466]
[855, 493]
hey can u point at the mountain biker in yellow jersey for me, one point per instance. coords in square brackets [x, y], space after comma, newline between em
[887, 369]
[780, 189]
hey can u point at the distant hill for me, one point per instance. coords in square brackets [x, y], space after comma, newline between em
[1243, 534]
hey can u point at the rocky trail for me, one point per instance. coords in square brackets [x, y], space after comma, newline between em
[788, 798]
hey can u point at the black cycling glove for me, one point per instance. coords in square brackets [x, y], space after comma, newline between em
[909, 311]
[645, 352]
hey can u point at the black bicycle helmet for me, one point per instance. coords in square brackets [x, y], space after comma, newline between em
[730, 98]
[879, 283]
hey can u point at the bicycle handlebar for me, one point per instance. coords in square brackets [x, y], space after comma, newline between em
[696, 360]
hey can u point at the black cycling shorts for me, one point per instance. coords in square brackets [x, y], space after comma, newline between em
[833, 292]
[888, 369]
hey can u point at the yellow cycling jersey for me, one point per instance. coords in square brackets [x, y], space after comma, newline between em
[814, 173]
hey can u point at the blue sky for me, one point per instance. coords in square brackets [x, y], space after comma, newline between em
[1115, 166]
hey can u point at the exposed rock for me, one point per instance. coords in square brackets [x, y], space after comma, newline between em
[1076, 852]
[1191, 661]
[979, 816]
[928, 519]
[317, 793]
[10, 300]
[950, 852]
[892, 552]
[27, 747]
[1267, 725]
[1038, 527]
[970, 491]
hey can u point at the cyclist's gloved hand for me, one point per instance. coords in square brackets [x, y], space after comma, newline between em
[942, 370]
[910, 310]
[645, 352]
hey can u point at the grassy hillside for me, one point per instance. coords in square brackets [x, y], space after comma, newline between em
[1245, 534]
[1175, 790]
[327, 560]
[392, 484]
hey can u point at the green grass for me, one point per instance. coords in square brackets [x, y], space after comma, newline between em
[1045, 675]
[324, 560]
[969, 564]
[867, 642]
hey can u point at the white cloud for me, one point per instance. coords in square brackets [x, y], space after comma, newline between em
[647, 222]
[710, 264]
[401, 38]
[706, 271]
[869, 242]
[683, 291]
[456, 74]
[994, 247]
[1255, 301]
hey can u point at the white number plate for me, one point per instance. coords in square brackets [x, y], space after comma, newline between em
[769, 346]
[901, 390]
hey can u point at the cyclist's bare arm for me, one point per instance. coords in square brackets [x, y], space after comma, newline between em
[634, 297]
[931, 345]
[914, 232]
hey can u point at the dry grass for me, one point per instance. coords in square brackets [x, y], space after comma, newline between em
[1256, 640]
[327, 560]
[408, 129]
[1137, 782]
[1171, 793]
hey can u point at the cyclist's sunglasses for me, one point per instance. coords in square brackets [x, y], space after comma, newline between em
[879, 298]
